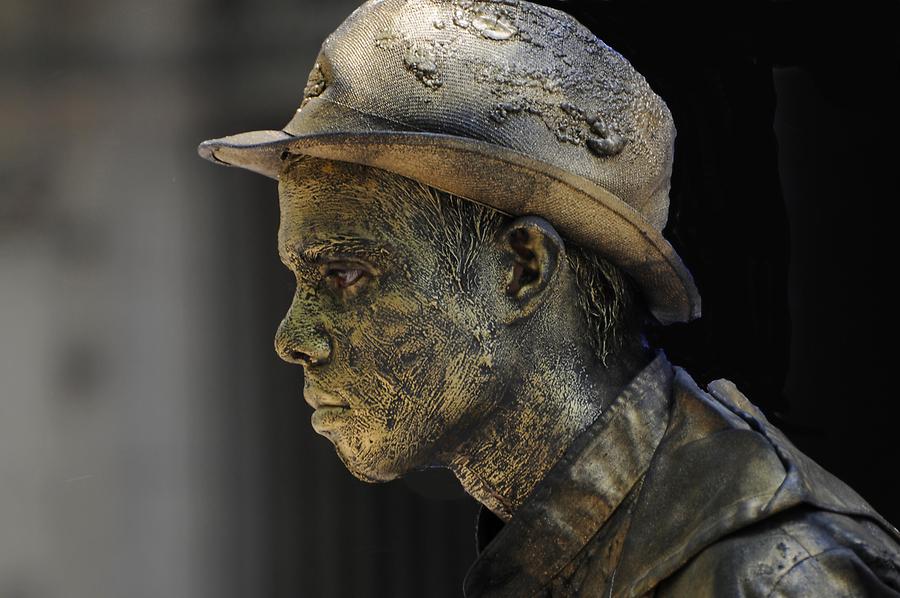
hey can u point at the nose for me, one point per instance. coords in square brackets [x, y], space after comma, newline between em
[301, 340]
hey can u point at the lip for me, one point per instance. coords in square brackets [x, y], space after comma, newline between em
[317, 399]
[326, 418]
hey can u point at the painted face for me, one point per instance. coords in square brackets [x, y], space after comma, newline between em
[397, 355]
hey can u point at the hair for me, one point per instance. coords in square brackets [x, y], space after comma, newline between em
[609, 299]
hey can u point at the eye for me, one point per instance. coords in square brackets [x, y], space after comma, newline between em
[343, 278]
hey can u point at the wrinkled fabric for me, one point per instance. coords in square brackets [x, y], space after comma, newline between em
[679, 492]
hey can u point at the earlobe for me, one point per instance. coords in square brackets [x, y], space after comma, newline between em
[533, 249]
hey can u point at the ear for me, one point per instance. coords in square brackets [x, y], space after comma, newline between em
[532, 251]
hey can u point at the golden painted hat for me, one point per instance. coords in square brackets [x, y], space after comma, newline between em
[503, 102]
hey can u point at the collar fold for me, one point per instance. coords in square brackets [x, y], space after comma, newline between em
[579, 493]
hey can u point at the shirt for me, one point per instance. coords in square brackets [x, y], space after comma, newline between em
[675, 491]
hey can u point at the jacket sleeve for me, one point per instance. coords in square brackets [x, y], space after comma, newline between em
[834, 572]
[776, 564]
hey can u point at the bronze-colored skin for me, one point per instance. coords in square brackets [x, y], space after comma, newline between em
[420, 352]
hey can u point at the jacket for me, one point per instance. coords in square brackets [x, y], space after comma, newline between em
[679, 492]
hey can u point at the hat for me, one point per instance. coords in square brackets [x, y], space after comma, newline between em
[506, 103]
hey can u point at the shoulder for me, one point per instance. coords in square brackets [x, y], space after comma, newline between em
[801, 552]
[731, 507]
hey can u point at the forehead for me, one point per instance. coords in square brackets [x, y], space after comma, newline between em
[324, 200]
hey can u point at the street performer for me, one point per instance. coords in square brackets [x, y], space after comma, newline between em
[472, 196]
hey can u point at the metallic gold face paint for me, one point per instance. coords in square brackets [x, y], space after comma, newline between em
[429, 338]
[393, 352]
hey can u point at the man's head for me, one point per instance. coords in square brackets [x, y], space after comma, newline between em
[415, 311]
[434, 329]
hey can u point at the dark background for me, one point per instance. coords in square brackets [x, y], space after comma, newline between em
[152, 444]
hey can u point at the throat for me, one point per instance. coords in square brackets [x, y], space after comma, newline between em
[533, 424]
[502, 466]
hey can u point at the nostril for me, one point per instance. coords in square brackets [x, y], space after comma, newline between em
[300, 347]
[299, 356]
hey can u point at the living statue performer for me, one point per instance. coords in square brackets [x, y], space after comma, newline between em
[472, 194]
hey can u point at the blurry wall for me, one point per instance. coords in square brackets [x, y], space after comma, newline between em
[151, 443]
[113, 408]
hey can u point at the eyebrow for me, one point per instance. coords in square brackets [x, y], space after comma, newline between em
[313, 250]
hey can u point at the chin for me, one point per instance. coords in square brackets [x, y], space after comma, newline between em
[372, 473]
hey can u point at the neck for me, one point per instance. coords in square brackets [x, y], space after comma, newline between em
[533, 424]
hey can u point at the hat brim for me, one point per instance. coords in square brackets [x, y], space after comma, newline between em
[502, 179]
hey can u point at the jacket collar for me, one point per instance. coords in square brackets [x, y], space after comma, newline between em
[710, 462]
[720, 467]
[580, 491]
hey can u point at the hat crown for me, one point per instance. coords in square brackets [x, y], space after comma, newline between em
[508, 72]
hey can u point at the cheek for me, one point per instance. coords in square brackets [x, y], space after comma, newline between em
[411, 358]
[415, 368]
[400, 342]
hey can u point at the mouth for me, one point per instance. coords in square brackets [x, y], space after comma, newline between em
[317, 399]
[329, 410]
[326, 420]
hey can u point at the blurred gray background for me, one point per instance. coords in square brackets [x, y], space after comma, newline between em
[139, 431]
[151, 443]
